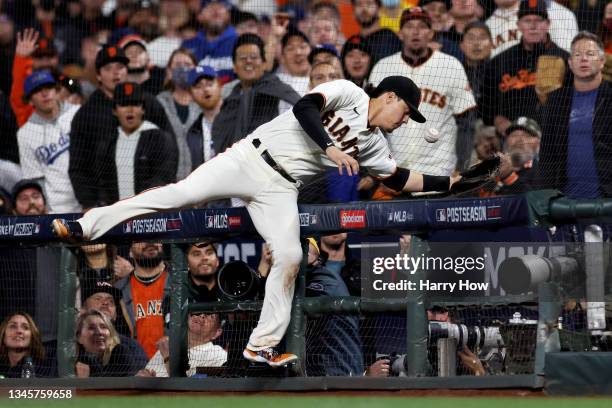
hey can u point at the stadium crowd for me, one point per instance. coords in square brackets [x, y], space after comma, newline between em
[103, 99]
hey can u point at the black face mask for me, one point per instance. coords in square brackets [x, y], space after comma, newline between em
[137, 70]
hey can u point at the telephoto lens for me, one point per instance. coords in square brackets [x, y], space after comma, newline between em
[238, 281]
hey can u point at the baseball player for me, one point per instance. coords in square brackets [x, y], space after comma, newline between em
[336, 124]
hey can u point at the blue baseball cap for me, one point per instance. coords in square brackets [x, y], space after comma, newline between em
[322, 48]
[202, 71]
[36, 80]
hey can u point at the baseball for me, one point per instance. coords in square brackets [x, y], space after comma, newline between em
[432, 135]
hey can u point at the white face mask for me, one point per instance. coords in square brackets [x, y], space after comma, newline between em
[390, 3]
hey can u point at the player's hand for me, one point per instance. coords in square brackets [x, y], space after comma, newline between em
[26, 42]
[380, 368]
[342, 160]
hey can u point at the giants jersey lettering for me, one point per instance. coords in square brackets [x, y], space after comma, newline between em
[345, 118]
[147, 301]
[445, 92]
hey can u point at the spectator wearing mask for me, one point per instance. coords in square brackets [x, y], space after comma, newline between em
[143, 292]
[476, 45]
[138, 155]
[99, 350]
[382, 41]
[140, 69]
[254, 100]
[511, 86]
[503, 24]
[20, 340]
[357, 60]
[214, 43]
[95, 122]
[206, 92]
[44, 142]
[179, 105]
[576, 131]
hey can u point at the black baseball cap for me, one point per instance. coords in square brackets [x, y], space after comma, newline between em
[536, 7]
[110, 54]
[24, 184]
[128, 94]
[405, 89]
[90, 285]
[356, 42]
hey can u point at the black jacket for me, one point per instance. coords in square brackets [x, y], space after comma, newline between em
[42, 368]
[555, 129]
[91, 124]
[509, 82]
[244, 111]
[120, 364]
[195, 142]
[155, 163]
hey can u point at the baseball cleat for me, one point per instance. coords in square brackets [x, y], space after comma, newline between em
[270, 356]
[65, 230]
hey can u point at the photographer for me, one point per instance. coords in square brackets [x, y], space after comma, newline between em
[394, 364]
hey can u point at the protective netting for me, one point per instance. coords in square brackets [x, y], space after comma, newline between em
[483, 73]
[108, 314]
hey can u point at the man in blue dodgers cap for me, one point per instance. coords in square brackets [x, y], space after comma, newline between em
[214, 43]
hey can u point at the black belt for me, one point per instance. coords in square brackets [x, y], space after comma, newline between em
[268, 159]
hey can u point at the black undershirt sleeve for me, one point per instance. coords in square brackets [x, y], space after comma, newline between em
[397, 180]
[308, 113]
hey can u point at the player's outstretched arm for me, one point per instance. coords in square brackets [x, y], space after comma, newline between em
[412, 181]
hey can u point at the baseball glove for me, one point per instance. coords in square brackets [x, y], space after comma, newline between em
[549, 76]
[477, 175]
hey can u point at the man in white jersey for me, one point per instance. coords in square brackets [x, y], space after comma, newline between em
[336, 124]
[44, 141]
[447, 100]
[505, 33]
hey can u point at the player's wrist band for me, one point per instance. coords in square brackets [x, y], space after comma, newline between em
[435, 183]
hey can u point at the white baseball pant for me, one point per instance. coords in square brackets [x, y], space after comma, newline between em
[271, 202]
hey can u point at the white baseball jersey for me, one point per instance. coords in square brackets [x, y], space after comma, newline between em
[345, 118]
[445, 92]
[43, 153]
[505, 33]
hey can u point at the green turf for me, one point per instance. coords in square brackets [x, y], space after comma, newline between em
[314, 402]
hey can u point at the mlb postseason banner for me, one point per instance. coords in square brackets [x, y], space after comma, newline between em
[389, 216]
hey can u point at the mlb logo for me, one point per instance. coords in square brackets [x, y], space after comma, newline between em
[36, 228]
[127, 227]
[210, 221]
[440, 215]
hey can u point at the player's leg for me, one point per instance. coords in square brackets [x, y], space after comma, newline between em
[275, 216]
[222, 177]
